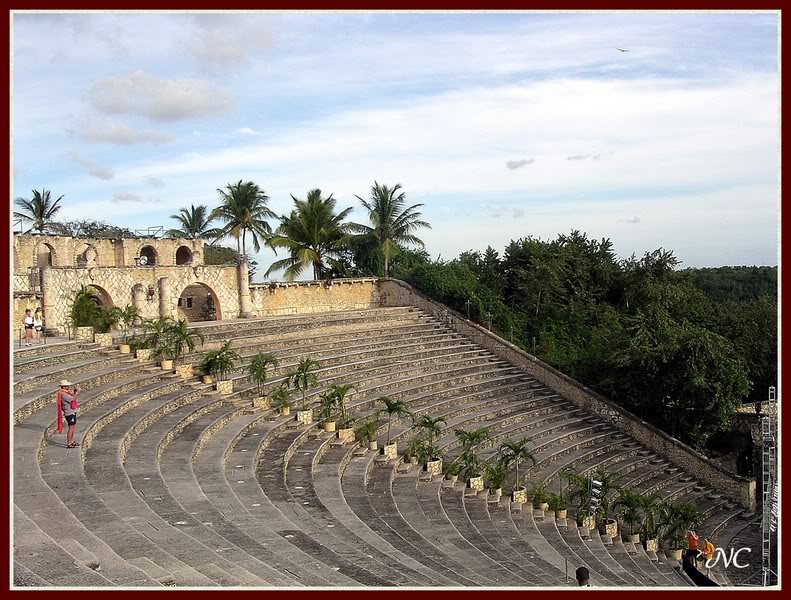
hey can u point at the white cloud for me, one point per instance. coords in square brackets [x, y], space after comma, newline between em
[90, 167]
[158, 99]
[632, 220]
[155, 182]
[248, 131]
[512, 165]
[220, 43]
[126, 197]
[111, 132]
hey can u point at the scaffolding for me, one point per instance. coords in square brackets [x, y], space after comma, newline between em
[769, 497]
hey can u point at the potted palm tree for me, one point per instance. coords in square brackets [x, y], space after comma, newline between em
[281, 397]
[367, 433]
[181, 338]
[206, 366]
[472, 467]
[392, 408]
[452, 472]
[327, 410]
[515, 451]
[496, 473]
[677, 520]
[223, 362]
[302, 379]
[559, 503]
[258, 372]
[653, 508]
[432, 428]
[155, 336]
[629, 506]
[345, 420]
[607, 485]
[580, 491]
[540, 497]
[127, 318]
[414, 450]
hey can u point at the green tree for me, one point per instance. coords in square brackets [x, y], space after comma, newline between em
[515, 451]
[258, 369]
[194, 222]
[89, 228]
[303, 377]
[39, 211]
[243, 210]
[393, 408]
[180, 338]
[392, 225]
[313, 235]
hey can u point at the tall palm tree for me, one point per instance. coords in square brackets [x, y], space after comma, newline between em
[474, 438]
[194, 224]
[243, 210]
[514, 451]
[391, 224]
[393, 408]
[40, 210]
[303, 377]
[313, 234]
[431, 425]
[179, 338]
[258, 369]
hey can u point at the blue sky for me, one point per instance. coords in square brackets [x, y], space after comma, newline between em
[503, 125]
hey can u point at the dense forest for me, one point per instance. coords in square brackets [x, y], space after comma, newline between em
[679, 348]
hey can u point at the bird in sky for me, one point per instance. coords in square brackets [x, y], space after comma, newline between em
[622, 50]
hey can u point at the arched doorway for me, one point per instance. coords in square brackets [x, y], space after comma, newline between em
[148, 256]
[198, 302]
[183, 256]
[101, 296]
[45, 255]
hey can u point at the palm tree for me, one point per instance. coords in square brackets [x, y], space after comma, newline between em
[258, 367]
[312, 234]
[156, 332]
[432, 426]
[339, 392]
[194, 224]
[40, 210]
[180, 338]
[474, 438]
[303, 377]
[393, 407]
[677, 520]
[514, 451]
[127, 317]
[391, 223]
[243, 209]
[629, 506]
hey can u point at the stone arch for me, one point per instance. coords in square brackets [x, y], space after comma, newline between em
[45, 255]
[87, 255]
[183, 255]
[102, 295]
[198, 302]
[151, 254]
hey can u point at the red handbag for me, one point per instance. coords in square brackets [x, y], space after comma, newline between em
[74, 405]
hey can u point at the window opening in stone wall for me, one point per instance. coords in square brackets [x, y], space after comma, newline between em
[189, 302]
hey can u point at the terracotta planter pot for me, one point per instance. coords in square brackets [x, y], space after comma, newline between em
[305, 416]
[676, 553]
[144, 354]
[207, 379]
[561, 514]
[224, 387]
[124, 348]
[475, 483]
[166, 365]
[519, 495]
[329, 426]
[434, 467]
[346, 435]
[373, 445]
[105, 340]
[390, 451]
[285, 411]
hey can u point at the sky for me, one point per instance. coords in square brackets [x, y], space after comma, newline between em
[503, 125]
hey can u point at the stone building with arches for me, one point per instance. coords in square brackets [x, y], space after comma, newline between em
[162, 277]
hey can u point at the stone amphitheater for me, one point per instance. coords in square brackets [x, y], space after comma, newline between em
[177, 485]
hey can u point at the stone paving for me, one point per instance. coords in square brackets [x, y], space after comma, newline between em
[176, 485]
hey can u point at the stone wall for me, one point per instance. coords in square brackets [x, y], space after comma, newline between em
[31, 250]
[313, 296]
[118, 284]
[398, 293]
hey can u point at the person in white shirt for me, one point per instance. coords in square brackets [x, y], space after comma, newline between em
[38, 324]
[28, 323]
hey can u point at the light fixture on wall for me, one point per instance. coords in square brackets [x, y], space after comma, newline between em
[151, 292]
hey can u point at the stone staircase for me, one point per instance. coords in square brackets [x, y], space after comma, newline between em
[176, 485]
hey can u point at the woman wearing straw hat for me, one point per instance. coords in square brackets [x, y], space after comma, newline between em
[67, 407]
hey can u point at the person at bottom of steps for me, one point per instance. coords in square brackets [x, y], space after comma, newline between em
[67, 407]
[583, 577]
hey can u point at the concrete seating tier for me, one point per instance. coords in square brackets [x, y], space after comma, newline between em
[176, 485]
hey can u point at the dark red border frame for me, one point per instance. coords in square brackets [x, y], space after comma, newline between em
[382, 5]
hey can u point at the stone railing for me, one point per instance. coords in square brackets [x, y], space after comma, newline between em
[299, 297]
[398, 293]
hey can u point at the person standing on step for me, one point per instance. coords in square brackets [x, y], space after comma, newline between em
[38, 324]
[692, 543]
[583, 577]
[67, 408]
[28, 324]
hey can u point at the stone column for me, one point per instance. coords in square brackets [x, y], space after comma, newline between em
[48, 298]
[245, 306]
[165, 310]
[139, 298]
